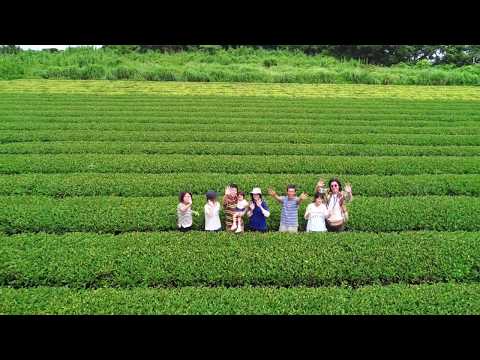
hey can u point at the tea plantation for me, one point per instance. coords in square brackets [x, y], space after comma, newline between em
[90, 173]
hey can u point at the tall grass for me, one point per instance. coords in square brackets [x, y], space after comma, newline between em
[233, 65]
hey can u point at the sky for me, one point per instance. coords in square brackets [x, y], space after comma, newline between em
[40, 47]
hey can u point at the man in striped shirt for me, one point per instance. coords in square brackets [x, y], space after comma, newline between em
[290, 205]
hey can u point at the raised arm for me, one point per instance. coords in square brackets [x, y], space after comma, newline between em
[302, 198]
[348, 193]
[274, 194]
[320, 185]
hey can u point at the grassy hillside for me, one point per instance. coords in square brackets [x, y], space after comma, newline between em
[233, 65]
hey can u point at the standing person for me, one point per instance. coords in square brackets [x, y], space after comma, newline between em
[290, 205]
[258, 212]
[316, 214]
[230, 204]
[212, 213]
[240, 210]
[336, 199]
[184, 212]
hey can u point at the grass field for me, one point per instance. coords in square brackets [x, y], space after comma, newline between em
[90, 172]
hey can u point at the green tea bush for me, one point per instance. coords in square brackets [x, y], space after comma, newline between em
[147, 185]
[10, 136]
[213, 148]
[86, 260]
[436, 299]
[237, 164]
[118, 214]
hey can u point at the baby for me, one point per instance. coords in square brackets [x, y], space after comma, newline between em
[242, 207]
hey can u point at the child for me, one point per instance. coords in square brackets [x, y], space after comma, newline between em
[240, 210]
[212, 212]
[316, 214]
[290, 204]
[229, 205]
[184, 212]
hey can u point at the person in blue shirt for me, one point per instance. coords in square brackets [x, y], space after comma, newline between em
[290, 205]
[258, 212]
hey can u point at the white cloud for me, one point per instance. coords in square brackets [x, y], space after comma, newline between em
[59, 47]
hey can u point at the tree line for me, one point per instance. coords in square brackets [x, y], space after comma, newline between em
[386, 55]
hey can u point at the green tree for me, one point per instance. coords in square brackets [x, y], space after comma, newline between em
[10, 49]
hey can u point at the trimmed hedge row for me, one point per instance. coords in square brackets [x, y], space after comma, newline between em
[453, 122]
[437, 299]
[164, 103]
[148, 185]
[116, 214]
[237, 164]
[11, 100]
[214, 148]
[317, 91]
[132, 260]
[234, 127]
[81, 98]
[9, 136]
[444, 116]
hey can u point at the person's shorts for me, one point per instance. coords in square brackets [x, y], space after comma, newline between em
[239, 210]
[290, 229]
[339, 228]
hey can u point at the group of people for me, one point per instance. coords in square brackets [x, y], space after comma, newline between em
[327, 212]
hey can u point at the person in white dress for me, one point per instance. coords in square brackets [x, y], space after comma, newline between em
[316, 214]
[212, 213]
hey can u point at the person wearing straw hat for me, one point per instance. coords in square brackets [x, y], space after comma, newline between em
[258, 212]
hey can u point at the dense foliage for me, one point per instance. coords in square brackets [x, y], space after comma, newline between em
[363, 64]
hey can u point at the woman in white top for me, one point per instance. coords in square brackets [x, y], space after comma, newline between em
[335, 200]
[184, 212]
[212, 213]
[316, 214]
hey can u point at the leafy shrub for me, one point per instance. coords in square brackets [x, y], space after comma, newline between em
[269, 63]
[159, 74]
[122, 73]
[200, 259]
[114, 215]
[197, 76]
[449, 299]
[118, 184]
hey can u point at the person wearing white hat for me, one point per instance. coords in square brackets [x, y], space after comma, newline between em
[258, 212]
